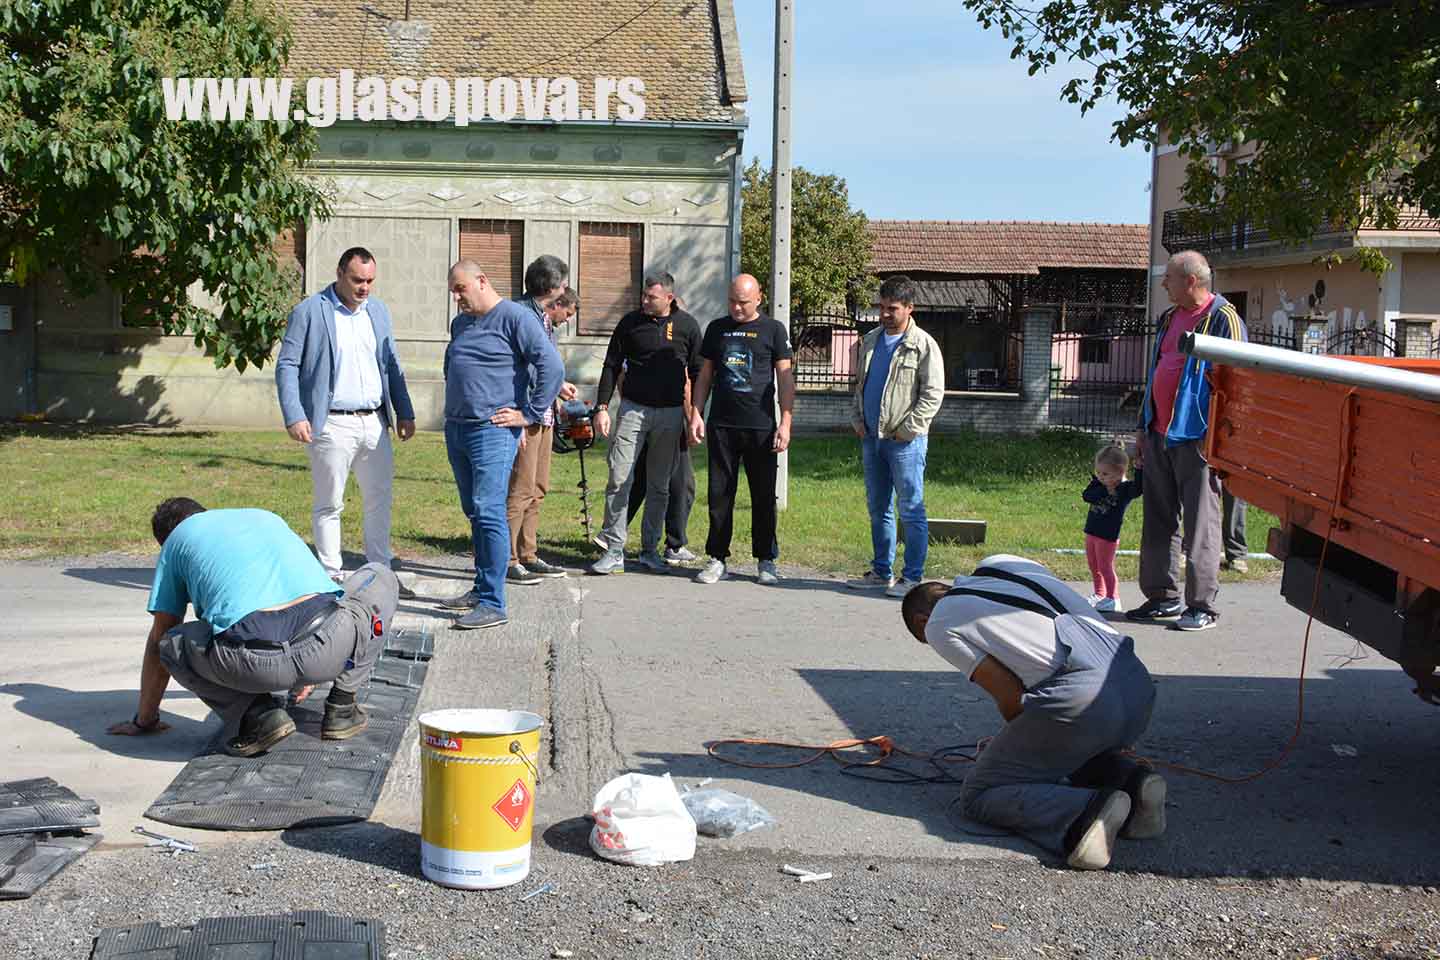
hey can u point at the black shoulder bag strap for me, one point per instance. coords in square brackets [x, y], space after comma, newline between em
[1029, 584]
[1004, 599]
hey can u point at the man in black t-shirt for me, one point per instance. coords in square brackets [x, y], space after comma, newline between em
[658, 347]
[745, 357]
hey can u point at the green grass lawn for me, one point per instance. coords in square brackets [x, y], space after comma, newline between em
[78, 490]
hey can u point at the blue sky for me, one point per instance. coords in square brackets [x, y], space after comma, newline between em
[926, 117]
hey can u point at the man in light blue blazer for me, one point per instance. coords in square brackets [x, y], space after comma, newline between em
[338, 378]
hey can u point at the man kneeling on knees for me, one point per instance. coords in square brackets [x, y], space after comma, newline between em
[1073, 695]
[269, 620]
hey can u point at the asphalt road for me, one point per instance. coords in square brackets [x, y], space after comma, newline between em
[1332, 854]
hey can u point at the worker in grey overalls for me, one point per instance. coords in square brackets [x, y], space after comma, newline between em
[1073, 695]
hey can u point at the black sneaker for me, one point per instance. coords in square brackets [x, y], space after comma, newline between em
[464, 601]
[342, 721]
[264, 724]
[1155, 610]
[547, 570]
[1146, 790]
[481, 616]
[521, 577]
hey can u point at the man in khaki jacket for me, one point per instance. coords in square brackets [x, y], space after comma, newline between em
[898, 391]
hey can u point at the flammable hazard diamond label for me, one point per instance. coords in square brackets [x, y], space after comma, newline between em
[513, 805]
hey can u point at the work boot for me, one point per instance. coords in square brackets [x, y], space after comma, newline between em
[1090, 841]
[264, 724]
[1146, 790]
[342, 720]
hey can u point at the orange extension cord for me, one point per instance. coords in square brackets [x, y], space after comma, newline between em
[885, 747]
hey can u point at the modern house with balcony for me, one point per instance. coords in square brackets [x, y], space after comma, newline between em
[1285, 296]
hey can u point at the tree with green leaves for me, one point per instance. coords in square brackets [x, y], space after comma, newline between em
[829, 250]
[1342, 97]
[98, 186]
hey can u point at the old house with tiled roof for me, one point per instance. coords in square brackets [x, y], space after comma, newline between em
[1018, 307]
[612, 197]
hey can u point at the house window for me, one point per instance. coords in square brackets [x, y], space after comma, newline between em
[498, 246]
[609, 274]
[290, 250]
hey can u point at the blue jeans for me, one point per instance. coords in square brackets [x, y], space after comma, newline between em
[481, 456]
[895, 470]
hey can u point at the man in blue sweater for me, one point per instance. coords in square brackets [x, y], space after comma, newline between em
[501, 374]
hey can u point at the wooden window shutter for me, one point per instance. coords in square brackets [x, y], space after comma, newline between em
[498, 246]
[609, 288]
[290, 250]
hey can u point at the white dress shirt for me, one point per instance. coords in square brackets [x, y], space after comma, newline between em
[358, 385]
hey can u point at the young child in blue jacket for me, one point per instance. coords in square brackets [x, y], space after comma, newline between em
[1108, 494]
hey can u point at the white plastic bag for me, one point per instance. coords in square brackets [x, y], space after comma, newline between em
[640, 820]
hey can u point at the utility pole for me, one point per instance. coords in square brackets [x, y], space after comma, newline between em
[780, 199]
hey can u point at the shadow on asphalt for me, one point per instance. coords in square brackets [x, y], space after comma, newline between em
[1350, 802]
[570, 836]
[378, 844]
[137, 578]
[87, 713]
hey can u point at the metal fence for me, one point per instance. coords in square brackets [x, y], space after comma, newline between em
[1097, 377]
[825, 348]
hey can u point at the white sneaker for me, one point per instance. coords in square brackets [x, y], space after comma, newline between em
[712, 572]
[870, 581]
[901, 587]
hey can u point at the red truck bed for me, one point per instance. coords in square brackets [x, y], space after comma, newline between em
[1280, 441]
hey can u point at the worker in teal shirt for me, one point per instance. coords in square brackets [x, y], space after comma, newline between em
[268, 620]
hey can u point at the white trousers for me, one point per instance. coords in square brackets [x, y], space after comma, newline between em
[362, 444]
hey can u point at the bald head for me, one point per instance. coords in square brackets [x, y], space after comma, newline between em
[471, 288]
[744, 298]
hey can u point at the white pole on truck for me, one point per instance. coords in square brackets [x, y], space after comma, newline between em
[1422, 386]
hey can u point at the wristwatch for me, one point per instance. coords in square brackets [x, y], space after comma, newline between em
[135, 720]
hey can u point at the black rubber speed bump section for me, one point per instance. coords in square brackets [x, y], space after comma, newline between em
[28, 861]
[415, 643]
[306, 935]
[303, 781]
[40, 805]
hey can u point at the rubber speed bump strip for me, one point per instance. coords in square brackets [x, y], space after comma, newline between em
[308, 934]
[411, 643]
[304, 780]
[27, 862]
[40, 805]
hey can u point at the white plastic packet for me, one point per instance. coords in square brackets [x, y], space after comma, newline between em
[641, 821]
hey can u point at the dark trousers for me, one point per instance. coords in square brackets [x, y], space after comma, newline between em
[730, 448]
[682, 497]
[1232, 525]
[1181, 495]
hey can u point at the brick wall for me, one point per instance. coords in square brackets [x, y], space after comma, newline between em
[1025, 412]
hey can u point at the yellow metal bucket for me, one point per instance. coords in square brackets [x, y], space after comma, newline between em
[478, 772]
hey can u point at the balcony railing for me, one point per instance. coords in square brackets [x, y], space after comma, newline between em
[1197, 228]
